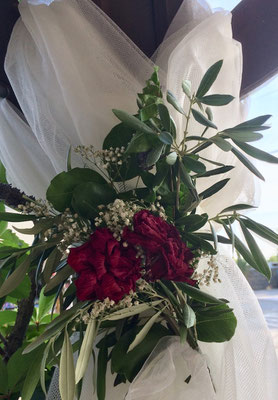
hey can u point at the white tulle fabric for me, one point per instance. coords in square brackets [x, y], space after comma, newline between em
[69, 66]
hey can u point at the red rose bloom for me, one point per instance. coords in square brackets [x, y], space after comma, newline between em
[167, 257]
[105, 267]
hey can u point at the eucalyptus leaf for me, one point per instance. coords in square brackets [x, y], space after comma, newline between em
[247, 163]
[132, 122]
[257, 153]
[252, 123]
[187, 180]
[208, 79]
[66, 375]
[43, 365]
[199, 117]
[216, 99]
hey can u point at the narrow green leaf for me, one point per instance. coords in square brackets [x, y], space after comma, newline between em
[51, 263]
[2, 173]
[189, 317]
[148, 112]
[101, 371]
[15, 217]
[221, 143]
[43, 365]
[154, 155]
[214, 188]
[192, 222]
[247, 163]
[208, 79]
[214, 235]
[144, 331]
[69, 160]
[132, 122]
[216, 99]
[129, 312]
[261, 230]
[13, 281]
[194, 165]
[197, 294]
[166, 138]
[66, 375]
[60, 277]
[217, 171]
[174, 102]
[45, 305]
[165, 117]
[262, 265]
[199, 117]
[243, 136]
[186, 179]
[237, 207]
[208, 236]
[86, 349]
[253, 123]
[186, 87]
[240, 247]
[257, 153]
[33, 376]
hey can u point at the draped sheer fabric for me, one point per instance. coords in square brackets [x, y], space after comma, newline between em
[69, 65]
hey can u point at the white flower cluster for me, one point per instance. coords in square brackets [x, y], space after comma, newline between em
[102, 308]
[119, 214]
[40, 208]
[102, 158]
[209, 274]
[72, 228]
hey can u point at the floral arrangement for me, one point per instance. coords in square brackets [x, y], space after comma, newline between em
[118, 243]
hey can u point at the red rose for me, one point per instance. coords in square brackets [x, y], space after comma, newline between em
[105, 267]
[167, 257]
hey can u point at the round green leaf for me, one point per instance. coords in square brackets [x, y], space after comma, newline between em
[88, 196]
[61, 189]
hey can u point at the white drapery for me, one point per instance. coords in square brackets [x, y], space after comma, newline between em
[69, 65]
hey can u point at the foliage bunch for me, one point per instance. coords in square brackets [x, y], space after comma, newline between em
[142, 170]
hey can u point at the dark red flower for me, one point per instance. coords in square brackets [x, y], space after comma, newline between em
[167, 257]
[105, 267]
